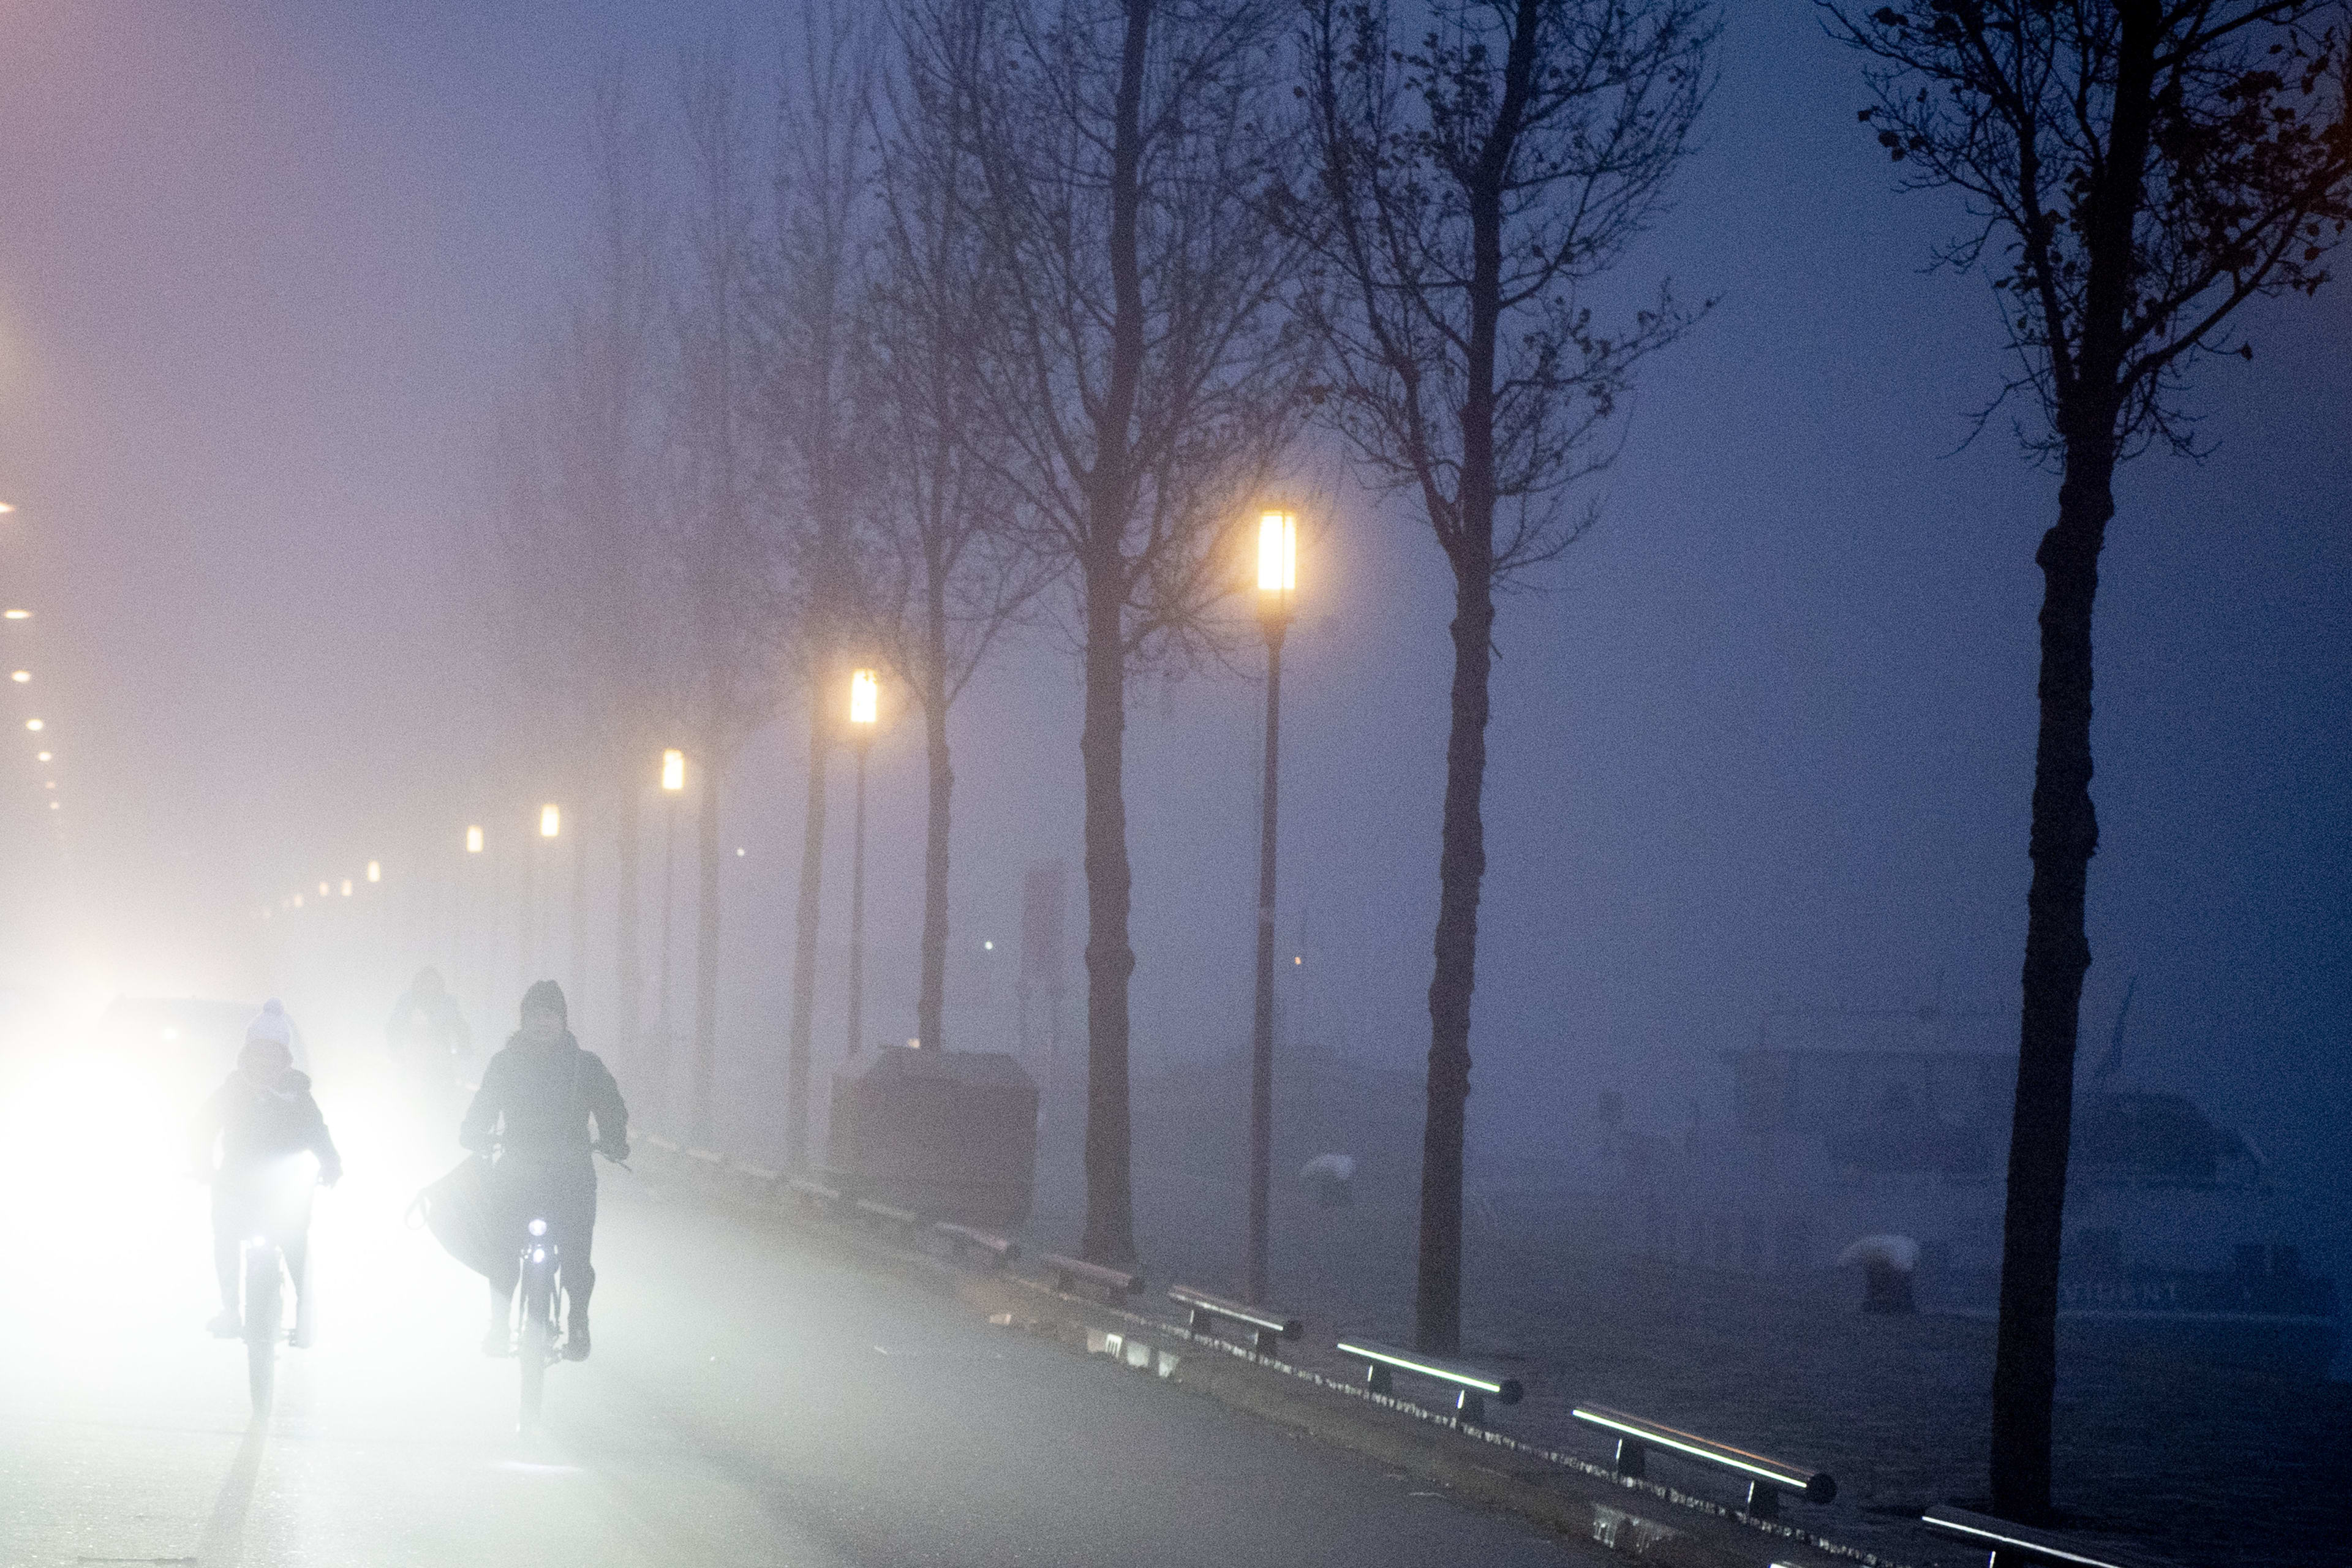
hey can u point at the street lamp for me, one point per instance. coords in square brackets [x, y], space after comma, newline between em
[865, 708]
[35, 725]
[1277, 579]
[473, 841]
[551, 821]
[375, 871]
[20, 676]
[673, 784]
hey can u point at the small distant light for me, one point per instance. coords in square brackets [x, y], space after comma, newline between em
[49, 783]
[324, 890]
[865, 697]
[52, 805]
[988, 947]
[375, 871]
[672, 769]
[1297, 959]
[41, 756]
[473, 841]
[298, 900]
[739, 852]
[551, 821]
[16, 615]
[347, 887]
[5, 509]
[20, 676]
[34, 724]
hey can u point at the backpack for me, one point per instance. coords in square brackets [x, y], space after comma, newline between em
[459, 1212]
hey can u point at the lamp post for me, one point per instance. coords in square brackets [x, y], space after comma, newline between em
[864, 706]
[1277, 577]
[673, 784]
[469, 900]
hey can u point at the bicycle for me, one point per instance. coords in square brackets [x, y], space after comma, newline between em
[538, 1291]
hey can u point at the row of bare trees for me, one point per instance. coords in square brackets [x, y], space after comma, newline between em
[1079, 274]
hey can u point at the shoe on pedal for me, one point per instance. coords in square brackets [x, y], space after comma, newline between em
[225, 1325]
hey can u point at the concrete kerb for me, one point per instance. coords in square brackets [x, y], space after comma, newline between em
[1642, 1519]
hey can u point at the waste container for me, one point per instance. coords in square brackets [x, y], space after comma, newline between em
[951, 1135]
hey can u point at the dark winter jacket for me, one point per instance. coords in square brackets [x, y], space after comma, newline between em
[536, 1102]
[256, 1124]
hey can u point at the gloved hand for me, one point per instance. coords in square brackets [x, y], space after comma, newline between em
[330, 1174]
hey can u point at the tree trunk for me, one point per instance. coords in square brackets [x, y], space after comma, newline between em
[1461, 866]
[706, 968]
[2064, 835]
[1111, 1225]
[1110, 1234]
[804, 930]
[628, 960]
[930, 996]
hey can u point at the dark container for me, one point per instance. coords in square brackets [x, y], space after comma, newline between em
[951, 1135]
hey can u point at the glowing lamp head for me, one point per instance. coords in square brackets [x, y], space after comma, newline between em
[16, 615]
[5, 509]
[20, 676]
[347, 887]
[473, 841]
[673, 775]
[43, 756]
[551, 821]
[1277, 563]
[865, 699]
[35, 725]
[375, 871]
[324, 891]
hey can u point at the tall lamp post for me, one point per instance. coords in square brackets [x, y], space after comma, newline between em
[551, 828]
[865, 708]
[673, 784]
[1277, 578]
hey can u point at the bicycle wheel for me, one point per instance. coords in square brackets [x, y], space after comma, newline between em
[264, 1299]
[536, 1345]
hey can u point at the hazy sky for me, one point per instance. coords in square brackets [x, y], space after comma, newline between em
[264, 266]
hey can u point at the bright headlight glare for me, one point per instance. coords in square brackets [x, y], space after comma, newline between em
[539, 1227]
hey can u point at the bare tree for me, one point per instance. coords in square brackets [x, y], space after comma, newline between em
[580, 556]
[1468, 191]
[1145, 382]
[945, 574]
[823, 187]
[731, 564]
[2134, 172]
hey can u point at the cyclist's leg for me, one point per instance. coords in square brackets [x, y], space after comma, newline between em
[575, 1228]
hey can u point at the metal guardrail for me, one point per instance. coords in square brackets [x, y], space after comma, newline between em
[1069, 1271]
[1767, 1479]
[1471, 1384]
[889, 1213]
[2014, 1545]
[998, 1249]
[1204, 1310]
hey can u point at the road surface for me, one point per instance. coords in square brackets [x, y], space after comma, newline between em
[748, 1402]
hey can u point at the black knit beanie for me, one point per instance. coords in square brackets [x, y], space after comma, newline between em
[546, 994]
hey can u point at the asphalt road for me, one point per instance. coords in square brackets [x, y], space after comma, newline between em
[748, 1402]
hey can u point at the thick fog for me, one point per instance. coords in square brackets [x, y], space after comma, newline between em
[267, 268]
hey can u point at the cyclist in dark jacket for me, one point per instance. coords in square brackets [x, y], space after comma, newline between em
[259, 1123]
[538, 1097]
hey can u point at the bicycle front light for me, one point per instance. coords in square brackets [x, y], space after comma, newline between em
[539, 1227]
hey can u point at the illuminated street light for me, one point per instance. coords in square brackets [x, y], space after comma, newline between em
[551, 821]
[43, 756]
[298, 900]
[375, 871]
[347, 887]
[34, 724]
[1277, 580]
[864, 706]
[16, 615]
[473, 841]
[325, 891]
[5, 509]
[673, 773]
[20, 676]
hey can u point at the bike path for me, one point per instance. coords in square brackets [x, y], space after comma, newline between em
[748, 1403]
